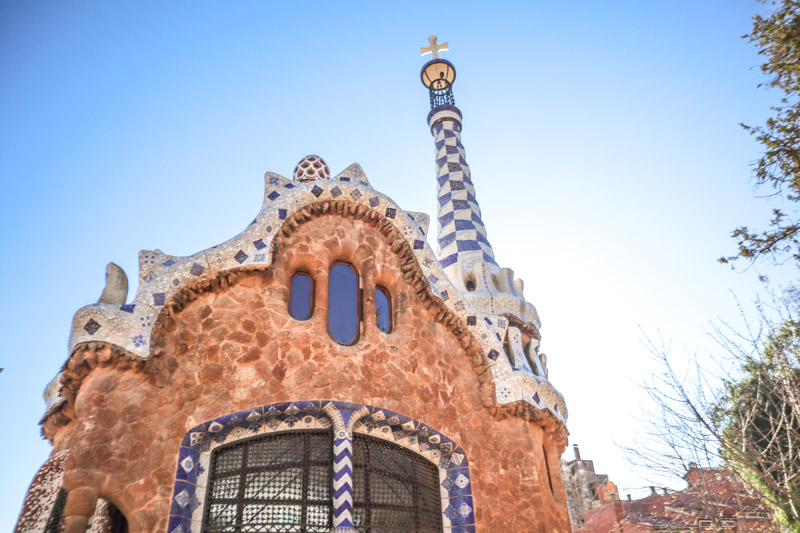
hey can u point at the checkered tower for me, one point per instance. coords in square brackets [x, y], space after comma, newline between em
[464, 249]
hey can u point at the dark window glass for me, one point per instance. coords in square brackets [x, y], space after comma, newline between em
[55, 522]
[394, 489]
[301, 296]
[279, 482]
[119, 524]
[343, 308]
[383, 310]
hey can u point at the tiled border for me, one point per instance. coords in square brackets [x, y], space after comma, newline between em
[191, 478]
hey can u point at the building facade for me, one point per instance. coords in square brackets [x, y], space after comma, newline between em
[714, 501]
[586, 490]
[323, 371]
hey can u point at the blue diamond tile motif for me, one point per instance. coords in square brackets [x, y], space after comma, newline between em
[158, 298]
[169, 262]
[128, 308]
[373, 202]
[335, 192]
[273, 195]
[240, 257]
[196, 269]
[289, 185]
[471, 320]
[450, 512]
[259, 244]
[493, 354]
[91, 327]
[316, 191]
[391, 212]
[282, 214]
[419, 245]
[536, 397]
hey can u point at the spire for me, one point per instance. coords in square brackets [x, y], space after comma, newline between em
[462, 234]
[464, 249]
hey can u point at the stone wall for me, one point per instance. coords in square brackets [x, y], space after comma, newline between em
[235, 347]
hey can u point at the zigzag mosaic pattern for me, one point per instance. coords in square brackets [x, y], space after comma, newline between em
[462, 235]
[345, 419]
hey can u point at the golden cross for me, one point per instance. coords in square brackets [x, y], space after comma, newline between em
[434, 48]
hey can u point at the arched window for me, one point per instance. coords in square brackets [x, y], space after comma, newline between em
[301, 296]
[279, 482]
[394, 489]
[344, 309]
[383, 310]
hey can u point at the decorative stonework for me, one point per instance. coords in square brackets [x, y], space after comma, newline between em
[191, 479]
[311, 168]
[42, 494]
[163, 278]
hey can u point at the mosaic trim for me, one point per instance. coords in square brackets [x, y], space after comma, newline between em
[42, 494]
[162, 276]
[462, 234]
[344, 419]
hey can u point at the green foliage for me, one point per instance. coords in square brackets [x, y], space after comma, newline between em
[778, 39]
[760, 417]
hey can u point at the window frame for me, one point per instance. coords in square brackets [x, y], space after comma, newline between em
[388, 295]
[359, 306]
[311, 299]
[243, 470]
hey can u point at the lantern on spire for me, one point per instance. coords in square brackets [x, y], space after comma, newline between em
[438, 74]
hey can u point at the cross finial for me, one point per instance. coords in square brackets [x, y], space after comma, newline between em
[434, 48]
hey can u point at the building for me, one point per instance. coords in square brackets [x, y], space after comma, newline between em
[586, 490]
[713, 501]
[322, 371]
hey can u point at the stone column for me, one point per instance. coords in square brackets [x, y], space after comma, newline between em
[81, 503]
[343, 422]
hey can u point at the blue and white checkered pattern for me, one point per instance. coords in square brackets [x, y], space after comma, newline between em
[462, 235]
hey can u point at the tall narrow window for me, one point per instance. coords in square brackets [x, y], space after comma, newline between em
[343, 304]
[383, 310]
[394, 489]
[301, 296]
[279, 482]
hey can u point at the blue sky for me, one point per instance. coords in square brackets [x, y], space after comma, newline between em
[603, 140]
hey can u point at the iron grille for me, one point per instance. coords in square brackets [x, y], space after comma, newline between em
[394, 490]
[55, 522]
[278, 483]
[441, 93]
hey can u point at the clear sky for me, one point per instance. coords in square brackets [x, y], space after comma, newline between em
[603, 139]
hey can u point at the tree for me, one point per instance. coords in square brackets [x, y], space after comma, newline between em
[743, 414]
[760, 417]
[778, 170]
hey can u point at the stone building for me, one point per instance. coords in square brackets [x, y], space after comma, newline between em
[713, 501]
[586, 490]
[324, 370]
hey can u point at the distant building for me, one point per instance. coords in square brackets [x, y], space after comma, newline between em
[586, 490]
[714, 500]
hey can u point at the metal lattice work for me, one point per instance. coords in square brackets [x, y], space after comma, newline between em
[441, 93]
[279, 483]
[395, 490]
